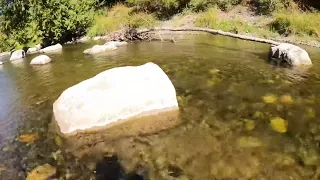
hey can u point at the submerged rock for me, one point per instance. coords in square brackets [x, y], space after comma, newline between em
[53, 48]
[100, 48]
[40, 60]
[117, 43]
[125, 100]
[1, 63]
[289, 54]
[18, 54]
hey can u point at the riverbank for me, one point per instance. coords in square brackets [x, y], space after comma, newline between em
[242, 20]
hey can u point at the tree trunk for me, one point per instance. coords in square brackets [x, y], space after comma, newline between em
[211, 31]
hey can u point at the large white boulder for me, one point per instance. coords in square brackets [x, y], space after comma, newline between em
[40, 60]
[100, 48]
[18, 54]
[290, 54]
[53, 48]
[116, 96]
[117, 43]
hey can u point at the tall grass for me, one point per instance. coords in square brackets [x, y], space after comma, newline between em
[118, 17]
[209, 19]
[225, 5]
[297, 23]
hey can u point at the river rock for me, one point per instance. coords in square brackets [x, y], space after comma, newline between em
[290, 54]
[1, 63]
[83, 39]
[100, 48]
[32, 50]
[18, 54]
[40, 60]
[38, 46]
[117, 43]
[53, 48]
[122, 101]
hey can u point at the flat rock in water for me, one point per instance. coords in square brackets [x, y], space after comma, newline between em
[40, 60]
[117, 43]
[18, 54]
[125, 100]
[290, 54]
[53, 48]
[100, 48]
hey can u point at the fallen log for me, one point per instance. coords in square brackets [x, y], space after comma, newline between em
[211, 31]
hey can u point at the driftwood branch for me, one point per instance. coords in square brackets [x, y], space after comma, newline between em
[211, 31]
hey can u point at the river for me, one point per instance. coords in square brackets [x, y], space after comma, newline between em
[221, 84]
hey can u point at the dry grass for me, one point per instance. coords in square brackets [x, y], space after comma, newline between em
[120, 16]
[297, 23]
[211, 19]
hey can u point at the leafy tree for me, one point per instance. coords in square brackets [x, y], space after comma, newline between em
[51, 21]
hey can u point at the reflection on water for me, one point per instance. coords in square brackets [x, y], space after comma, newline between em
[226, 131]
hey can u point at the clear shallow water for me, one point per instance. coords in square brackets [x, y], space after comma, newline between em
[220, 83]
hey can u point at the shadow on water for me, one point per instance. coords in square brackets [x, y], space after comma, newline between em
[221, 85]
[109, 168]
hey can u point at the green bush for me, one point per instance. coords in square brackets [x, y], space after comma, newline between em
[28, 21]
[268, 6]
[297, 23]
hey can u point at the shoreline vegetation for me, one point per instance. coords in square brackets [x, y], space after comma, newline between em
[275, 20]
